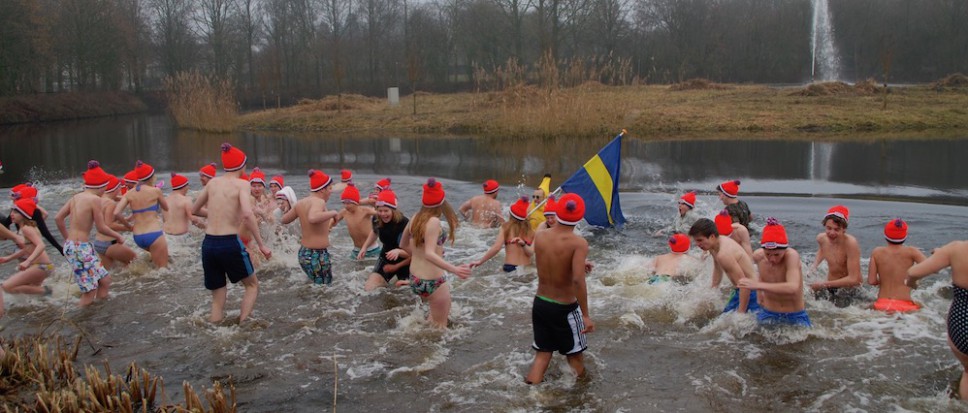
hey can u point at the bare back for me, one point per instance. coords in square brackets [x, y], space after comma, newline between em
[139, 199]
[359, 223]
[560, 257]
[178, 216]
[742, 236]
[83, 206]
[734, 260]
[890, 265]
[314, 236]
[668, 264]
[485, 211]
[107, 212]
[223, 197]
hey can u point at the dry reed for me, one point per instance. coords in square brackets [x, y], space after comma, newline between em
[201, 103]
[39, 374]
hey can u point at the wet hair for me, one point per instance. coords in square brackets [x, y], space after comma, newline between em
[837, 220]
[517, 228]
[419, 224]
[705, 227]
[396, 218]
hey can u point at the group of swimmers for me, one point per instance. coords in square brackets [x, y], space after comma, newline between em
[233, 206]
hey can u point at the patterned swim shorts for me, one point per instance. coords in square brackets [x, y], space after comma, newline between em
[86, 264]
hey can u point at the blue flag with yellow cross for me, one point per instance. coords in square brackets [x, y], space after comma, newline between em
[597, 184]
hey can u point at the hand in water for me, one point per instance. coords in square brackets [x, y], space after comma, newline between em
[266, 251]
[463, 271]
[589, 324]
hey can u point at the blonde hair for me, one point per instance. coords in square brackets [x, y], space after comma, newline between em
[419, 223]
[517, 228]
[396, 218]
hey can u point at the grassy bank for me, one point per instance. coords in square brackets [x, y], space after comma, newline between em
[65, 106]
[699, 109]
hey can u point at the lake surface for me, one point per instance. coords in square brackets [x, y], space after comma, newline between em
[662, 347]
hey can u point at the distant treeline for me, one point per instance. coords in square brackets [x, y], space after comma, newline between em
[286, 49]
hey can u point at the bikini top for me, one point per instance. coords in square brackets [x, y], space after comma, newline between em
[526, 242]
[154, 208]
[442, 238]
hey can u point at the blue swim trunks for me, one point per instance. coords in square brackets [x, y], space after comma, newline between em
[733, 303]
[224, 256]
[796, 318]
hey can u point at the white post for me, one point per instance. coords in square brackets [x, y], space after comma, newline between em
[393, 96]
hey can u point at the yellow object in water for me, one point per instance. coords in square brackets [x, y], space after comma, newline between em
[537, 214]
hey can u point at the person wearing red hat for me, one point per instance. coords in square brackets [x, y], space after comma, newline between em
[728, 257]
[85, 212]
[687, 213]
[953, 255]
[359, 222]
[380, 186]
[559, 313]
[35, 265]
[345, 178]
[146, 202]
[228, 202]
[262, 204]
[179, 213]
[515, 236]
[888, 269]
[842, 253]
[424, 241]
[670, 266]
[739, 233]
[276, 184]
[550, 209]
[109, 249]
[780, 286]
[316, 222]
[738, 210]
[206, 173]
[484, 210]
[388, 226]
[27, 190]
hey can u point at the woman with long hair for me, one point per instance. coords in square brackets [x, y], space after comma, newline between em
[424, 240]
[515, 236]
[34, 265]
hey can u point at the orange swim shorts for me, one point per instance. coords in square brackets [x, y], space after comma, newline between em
[892, 305]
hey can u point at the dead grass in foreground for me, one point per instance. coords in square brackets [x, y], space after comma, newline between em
[694, 109]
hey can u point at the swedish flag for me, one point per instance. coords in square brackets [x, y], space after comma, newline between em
[597, 184]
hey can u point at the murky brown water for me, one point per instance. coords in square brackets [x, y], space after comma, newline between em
[658, 347]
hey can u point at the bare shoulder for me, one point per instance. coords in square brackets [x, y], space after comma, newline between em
[793, 255]
[821, 238]
[759, 255]
[852, 241]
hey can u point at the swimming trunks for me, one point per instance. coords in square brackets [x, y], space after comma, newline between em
[425, 288]
[370, 253]
[509, 268]
[316, 264]
[145, 240]
[796, 318]
[401, 273]
[85, 263]
[657, 278]
[733, 303]
[958, 319]
[841, 297]
[154, 208]
[102, 246]
[557, 327]
[891, 305]
[224, 256]
[47, 268]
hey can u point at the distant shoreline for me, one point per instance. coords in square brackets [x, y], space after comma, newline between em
[67, 106]
[682, 111]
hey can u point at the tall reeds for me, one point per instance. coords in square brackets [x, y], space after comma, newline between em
[202, 103]
[39, 374]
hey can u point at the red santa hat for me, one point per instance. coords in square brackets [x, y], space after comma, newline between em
[550, 206]
[350, 195]
[24, 191]
[383, 184]
[318, 180]
[345, 176]
[95, 177]
[278, 180]
[113, 184]
[839, 211]
[774, 235]
[433, 194]
[26, 207]
[679, 243]
[257, 176]
[570, 210]
[724, 223]
[233, 158]
[15, 191]
[131, 177]
[491, 186]
[730, 188]
[688, 199]
[143, 171]
[208, 170]
[896, 231]
[519, 210]
[178, 181]
[387, 198]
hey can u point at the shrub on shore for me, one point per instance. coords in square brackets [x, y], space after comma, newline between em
[198, 102]
[952, 81]
[39, 374]
[67, 106]
[698, 84]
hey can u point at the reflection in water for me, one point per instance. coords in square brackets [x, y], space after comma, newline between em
[61, 150]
